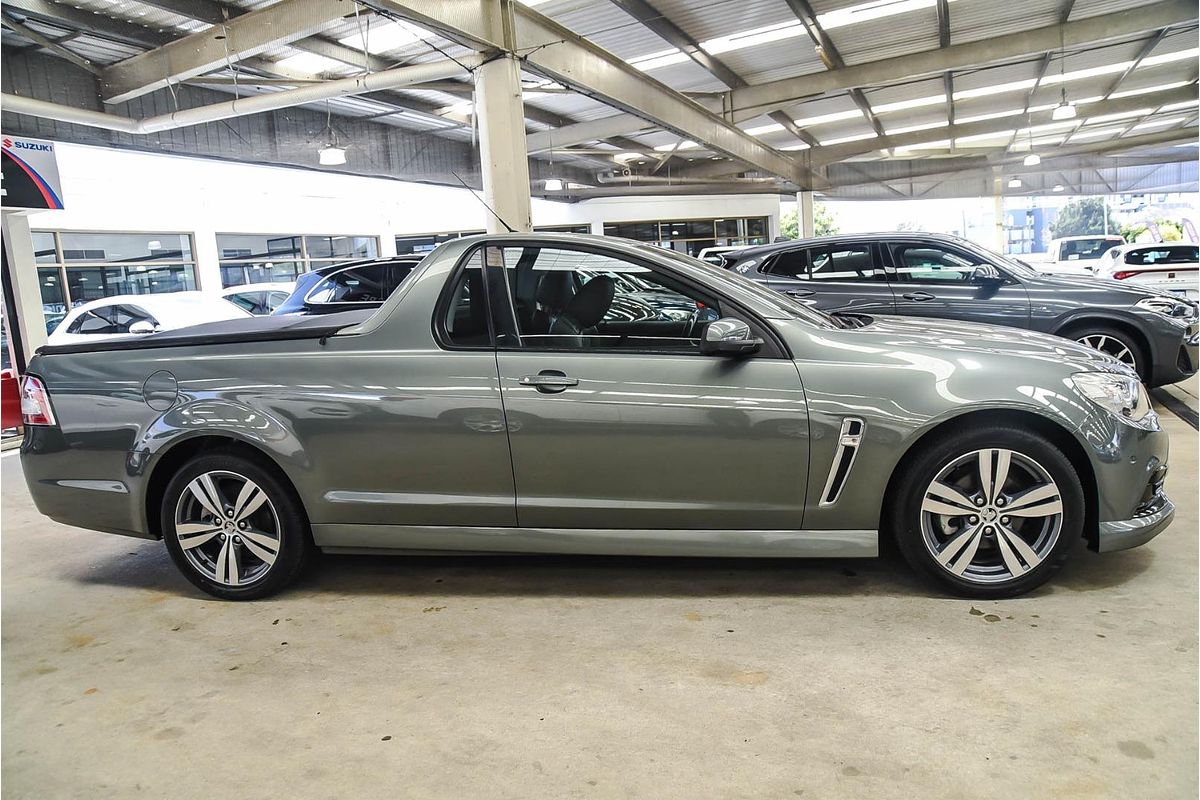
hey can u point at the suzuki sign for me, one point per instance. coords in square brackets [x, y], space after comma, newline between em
[30, 174]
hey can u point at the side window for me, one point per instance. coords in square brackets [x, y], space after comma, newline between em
[247, 301]
[568, 299]
[854, 263]
[790, 264]
[932, 263]
[463, 312]
[108, 320]
[275, 300]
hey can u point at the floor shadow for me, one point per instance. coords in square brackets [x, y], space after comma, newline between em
[147, 566]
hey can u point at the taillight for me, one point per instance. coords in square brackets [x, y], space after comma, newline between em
[35, 402]
[1123, 274]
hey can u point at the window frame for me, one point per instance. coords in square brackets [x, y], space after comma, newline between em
[773, 344]
[891, 268]
[441, 335]
[62, 266]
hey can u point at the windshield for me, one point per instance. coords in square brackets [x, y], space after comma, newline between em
[1085, 249]
[780, 303]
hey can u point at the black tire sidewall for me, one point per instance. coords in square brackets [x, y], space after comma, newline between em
[928, 463]
[294, 534]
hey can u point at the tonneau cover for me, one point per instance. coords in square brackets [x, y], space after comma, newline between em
[234, 331]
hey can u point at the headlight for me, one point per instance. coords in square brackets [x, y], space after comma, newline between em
[1165, 305]
[1120, 395]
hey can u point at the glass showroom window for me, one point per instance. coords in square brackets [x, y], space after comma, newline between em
[279, 258]
[693, 235]
[421, 243]
[74, 268]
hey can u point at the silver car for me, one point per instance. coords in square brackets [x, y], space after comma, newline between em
[535, 393]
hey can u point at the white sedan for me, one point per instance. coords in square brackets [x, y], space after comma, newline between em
[1169, 266]
[141, 313]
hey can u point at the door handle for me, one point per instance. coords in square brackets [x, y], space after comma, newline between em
[919, 297]
[799, 292]
[549, 381]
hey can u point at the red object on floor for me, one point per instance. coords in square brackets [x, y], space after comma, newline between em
[10, 400]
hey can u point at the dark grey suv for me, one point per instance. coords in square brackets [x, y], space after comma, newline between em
[932, 275]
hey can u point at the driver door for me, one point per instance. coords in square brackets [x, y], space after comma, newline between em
[616, 421]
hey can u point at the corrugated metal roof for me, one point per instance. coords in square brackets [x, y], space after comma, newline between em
[858, 37]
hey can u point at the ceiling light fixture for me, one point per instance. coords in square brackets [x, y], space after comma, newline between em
[1015, 183]
[1058, 187]
[332, 153]
[554, 185]
[1033, 159]
[1063, 110]
[331, 156]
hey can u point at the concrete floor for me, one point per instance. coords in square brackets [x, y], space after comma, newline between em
[573, 677]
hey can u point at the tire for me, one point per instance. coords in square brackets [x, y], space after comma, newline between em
[258, 551]
[1010, 543]
[1116, 342]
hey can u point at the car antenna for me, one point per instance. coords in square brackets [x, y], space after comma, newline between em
[511, 229]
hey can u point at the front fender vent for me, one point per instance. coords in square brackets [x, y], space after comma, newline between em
[839, 470]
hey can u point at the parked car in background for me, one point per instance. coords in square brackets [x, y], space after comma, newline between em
[713, 255]
[1077, 254]
[1167, 266]
[932, 275]
[349, 285]
[259, 299]
[141, 313]
[477, 411]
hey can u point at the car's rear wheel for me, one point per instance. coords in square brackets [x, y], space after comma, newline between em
[1116, 343]
[234, 527]
[990, 513]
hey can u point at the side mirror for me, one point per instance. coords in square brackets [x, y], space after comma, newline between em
[143, 326]
[728, 337]
[986, 273]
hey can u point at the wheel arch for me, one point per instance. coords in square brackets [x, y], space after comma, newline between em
[172, 459]
[1059, 435]
[1079, 322]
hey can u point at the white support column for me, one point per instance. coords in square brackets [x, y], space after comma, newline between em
[27, 293]
[804, 208]
[208, 259]
[1001, 241]
[500, 113]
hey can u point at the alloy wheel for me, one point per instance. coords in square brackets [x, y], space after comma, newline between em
[227, 528]
[991, 515]
[1110, 345]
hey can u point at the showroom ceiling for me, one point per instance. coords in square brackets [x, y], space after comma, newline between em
[885, 98]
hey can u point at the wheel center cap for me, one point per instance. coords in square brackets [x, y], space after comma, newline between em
[989, 514]
[229, 526]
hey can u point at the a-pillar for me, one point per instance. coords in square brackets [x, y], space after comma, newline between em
[500, 112]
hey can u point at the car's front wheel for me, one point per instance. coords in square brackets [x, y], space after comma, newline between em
[990, 513]
[1116, 343]
[234, 527]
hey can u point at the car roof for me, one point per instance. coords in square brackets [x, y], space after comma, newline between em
[1085, 237]
[279, 286]
[875, 236]
[160, 300]
[407, 258]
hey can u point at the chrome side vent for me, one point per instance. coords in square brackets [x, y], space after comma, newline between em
[848, 441]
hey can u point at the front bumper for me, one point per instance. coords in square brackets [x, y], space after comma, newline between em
[1180, 355]
[1127, 533]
